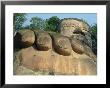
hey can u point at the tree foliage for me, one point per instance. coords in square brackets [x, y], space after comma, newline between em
[52, 24]
[37, 23]
[19, 19]
[94, 38]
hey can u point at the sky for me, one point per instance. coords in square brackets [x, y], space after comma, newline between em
[90, 18]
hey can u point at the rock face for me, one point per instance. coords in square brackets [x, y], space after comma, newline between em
[62, 45]
[77, 28]
[24, 38]
[77, 46]
[49, 53]
[43, 41]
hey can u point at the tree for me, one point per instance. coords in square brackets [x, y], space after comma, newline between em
[52, 24]
[19, 19]
[26, 27]
[94, 38]
[37, 23]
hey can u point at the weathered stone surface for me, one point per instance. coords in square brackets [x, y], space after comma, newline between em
[83, 39]
[50, 53]
[33, 61]
[77, 29]
[68, 26]
[43, 41]
[62, 45]
[52, 62]
[86, 67]
[25, 38]
[79, 37]
[77, 46]
[90, 53]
